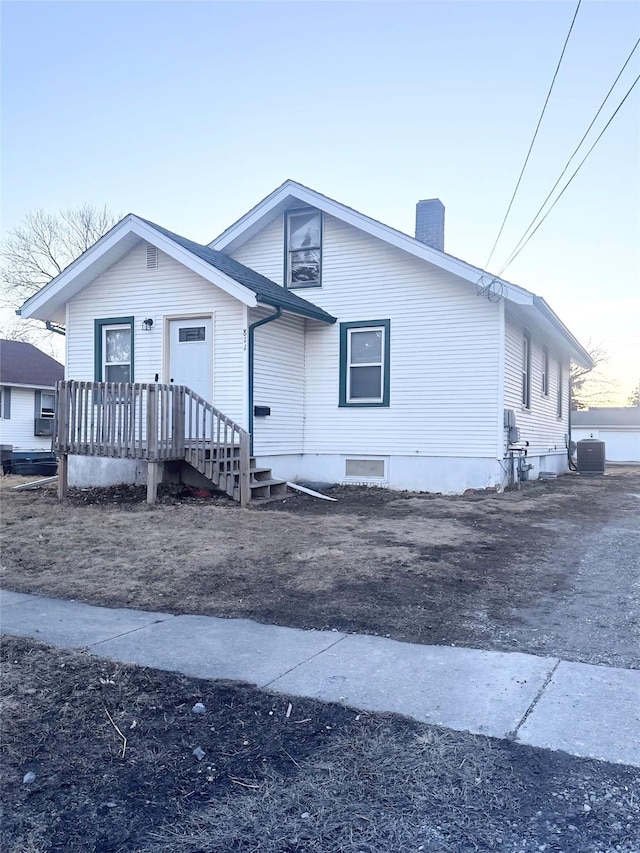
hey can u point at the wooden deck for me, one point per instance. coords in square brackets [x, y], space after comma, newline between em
[153, 422]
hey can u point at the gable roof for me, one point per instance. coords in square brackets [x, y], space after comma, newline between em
[244, 284]
[23, 364]
[291, 193]
[267, 292]
[620, 416]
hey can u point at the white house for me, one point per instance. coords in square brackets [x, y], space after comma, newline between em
[351, 352]
[27, 396]
[618, 427]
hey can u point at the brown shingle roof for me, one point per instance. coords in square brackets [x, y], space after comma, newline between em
[24, 364]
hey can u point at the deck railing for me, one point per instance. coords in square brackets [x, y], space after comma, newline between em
[153, 422]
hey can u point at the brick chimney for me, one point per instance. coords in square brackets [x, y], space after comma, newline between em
[430, 223]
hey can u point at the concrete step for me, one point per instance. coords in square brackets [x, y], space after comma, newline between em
[271, 488]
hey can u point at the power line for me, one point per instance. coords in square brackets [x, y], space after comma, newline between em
[568, 163]
[566, 186]
[566, 41]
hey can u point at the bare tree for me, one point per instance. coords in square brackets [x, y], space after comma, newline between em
[634, 397]
[42, 246]
[588, 386]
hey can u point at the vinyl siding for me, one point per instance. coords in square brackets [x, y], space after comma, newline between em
[539, 425]
[279, 352]
[18, 429]
[264, 253]
[128, 288]
[445, 342]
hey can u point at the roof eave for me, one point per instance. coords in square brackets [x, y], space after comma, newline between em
[109, 249]
[310, 314]
[580, 354]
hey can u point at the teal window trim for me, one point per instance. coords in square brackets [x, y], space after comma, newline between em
[344, 366]
[97, 342]
[287, 215]
[545, 371]
[526, 369]
[560, 397]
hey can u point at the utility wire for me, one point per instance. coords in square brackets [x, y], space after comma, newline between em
[566, 186]
[566, 41]
[568, 163]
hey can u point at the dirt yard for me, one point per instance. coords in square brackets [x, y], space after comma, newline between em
[550, 569]
[275, 775]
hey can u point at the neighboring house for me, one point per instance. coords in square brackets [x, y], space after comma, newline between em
[27, 396]
[618, 427]
[350, 352]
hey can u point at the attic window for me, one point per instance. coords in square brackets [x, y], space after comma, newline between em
[303, 256]
[152, 258]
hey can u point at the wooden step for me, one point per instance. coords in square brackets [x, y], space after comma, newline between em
[263, 486]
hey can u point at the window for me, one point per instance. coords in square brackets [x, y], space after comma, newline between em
[526, 370]
[44, 405]
[47, 405]
[364, 469]
[303, 249]
[560, 389]
[114, 350]
[364, 363]
[5, 404]
[545, 372]
[191, 334]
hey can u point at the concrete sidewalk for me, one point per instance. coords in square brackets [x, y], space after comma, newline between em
[590, 711]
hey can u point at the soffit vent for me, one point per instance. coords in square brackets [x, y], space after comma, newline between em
[152, 258]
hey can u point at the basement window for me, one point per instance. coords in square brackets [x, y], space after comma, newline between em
[364, 469]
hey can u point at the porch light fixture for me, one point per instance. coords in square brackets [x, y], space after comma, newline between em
[147, 324]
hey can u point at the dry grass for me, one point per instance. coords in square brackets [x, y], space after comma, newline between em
[324, 778]
[421, 568]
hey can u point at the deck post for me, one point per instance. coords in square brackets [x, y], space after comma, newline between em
[63, 475]
[153, 478]
[245, 464]
[152, 423]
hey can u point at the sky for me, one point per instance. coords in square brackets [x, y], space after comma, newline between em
[189, 113]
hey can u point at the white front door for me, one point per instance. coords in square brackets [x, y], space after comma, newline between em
[191, 355]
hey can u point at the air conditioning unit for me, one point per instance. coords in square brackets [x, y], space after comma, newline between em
[43, 426]
[591, 457]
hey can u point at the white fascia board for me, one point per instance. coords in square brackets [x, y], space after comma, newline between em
[82, 271]
[27, 387]
[258, 216]
[43, 304]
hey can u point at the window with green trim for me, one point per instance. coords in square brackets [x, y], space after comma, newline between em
[303, 248]
[526, 370]
[545, 371]
[559, 399]
[114, 349]
[364, 363]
